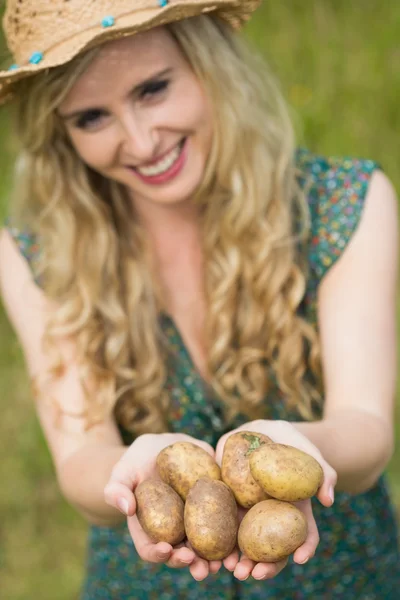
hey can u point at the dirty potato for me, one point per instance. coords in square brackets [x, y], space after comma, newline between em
[211, 519]
[183, 463]
[286, 473]
[271, 531]
[235, 468]
[160, 511]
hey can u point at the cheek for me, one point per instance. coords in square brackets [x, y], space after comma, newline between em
[192, 108]
[198, 111]
[96, 151]
[203, 116]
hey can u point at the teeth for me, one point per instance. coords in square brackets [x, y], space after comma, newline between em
[162, 166]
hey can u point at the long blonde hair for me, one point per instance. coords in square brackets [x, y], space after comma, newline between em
[94, 260]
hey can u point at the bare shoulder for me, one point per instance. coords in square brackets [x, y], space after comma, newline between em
[10, 258]
[373, 248]
[24, 301]
[14, 270]
[27, 307]
[381, 207]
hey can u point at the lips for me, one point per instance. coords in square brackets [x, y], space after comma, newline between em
[163, 164]
[166, 168]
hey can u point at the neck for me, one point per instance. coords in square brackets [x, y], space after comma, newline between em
[173, 230]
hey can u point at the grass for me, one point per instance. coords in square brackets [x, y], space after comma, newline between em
[338, 64]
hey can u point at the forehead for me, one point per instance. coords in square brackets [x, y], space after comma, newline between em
[126, 61]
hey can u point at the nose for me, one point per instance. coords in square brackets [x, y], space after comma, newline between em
[140, 139]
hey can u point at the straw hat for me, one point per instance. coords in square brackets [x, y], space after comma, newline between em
[46, 33]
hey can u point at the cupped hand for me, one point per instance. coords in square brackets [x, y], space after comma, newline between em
[136, 465]
[283, 432]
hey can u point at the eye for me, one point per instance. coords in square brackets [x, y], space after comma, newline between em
[89, 119]
[153, 88]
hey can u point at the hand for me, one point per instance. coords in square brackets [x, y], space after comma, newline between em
[137, 464]
[283, 432]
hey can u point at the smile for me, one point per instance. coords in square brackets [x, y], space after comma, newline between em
[163, 165]
[165, 169]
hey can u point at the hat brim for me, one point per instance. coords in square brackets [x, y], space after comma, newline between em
[235, 12]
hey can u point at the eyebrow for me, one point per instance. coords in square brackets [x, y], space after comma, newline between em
[135, 90]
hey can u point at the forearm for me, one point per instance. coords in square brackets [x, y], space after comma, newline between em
[83, 477]
[357, 445]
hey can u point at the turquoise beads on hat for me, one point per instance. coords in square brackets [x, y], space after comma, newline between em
[36, 58]
[108, 21]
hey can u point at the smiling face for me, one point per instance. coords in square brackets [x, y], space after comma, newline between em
[138, 115]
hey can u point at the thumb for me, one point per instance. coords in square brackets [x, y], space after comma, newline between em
[326, 493]
[219, 451]
[120, 487]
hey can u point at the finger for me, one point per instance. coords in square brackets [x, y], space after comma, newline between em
[307, 550]
[181, 557]
[221, 444]
[124, 473]
[231, 561]
[268, 570]
[119, 489]
[148, 550]
[121, 497]
[244, 568]
[214, 566]
[326, 493]
[199, 569]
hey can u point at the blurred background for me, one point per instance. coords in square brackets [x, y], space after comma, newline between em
[339, 65]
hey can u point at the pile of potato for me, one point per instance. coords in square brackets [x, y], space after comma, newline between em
[197, 500]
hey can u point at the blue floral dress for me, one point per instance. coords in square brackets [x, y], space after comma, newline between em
[358, 556]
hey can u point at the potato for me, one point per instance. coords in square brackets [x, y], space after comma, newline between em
[211, 519]
[271, 531]
[160, 511]
[235, 468]
[183, 463]
[286, 473]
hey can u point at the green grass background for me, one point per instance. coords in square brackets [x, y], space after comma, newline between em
[339, 64]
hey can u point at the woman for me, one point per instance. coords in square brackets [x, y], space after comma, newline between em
[161, 269]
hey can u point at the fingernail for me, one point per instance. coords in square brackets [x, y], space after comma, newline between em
[123, 505]
[331, 494]
[303, 562]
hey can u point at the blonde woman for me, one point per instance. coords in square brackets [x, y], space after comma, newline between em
[175, 269]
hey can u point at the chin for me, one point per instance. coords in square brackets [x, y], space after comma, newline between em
[177, 195]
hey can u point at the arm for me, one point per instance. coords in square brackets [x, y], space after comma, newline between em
[357, 305]
[94, 470]
[357, 320]
[83, 459]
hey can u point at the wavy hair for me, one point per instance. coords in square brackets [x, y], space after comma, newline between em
[96, 265]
